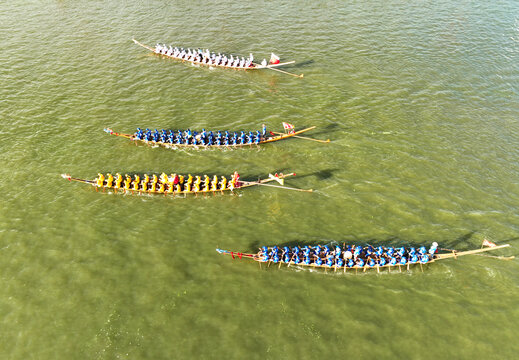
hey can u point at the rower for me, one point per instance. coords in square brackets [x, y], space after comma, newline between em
[214, 183]
[264, 63]
[434, 248]
[118, 181]
[414, 258]
[317, 250]
[164, 136]
[297, 260]
[392, 261]
[100, 180]
[339, 262]
[337, 251]
[144, 182]
[223, 183]
[139, 135]
[382, 261]
[326, 250]
[207, 183]
[136, 181]
[258, 137]
[156, 135]
[242, 137]
[242, 62]
[162, 188]
[307, 260]
[422, 250]
[390, 251]
[198, 181]
[403, 260]
[171, 137]
[350, 263]
[163, 178]
[360, 262]
[318, 261]
[109, 180]
[127, 182]
[250, 138]
[153, 187]
[329, 261]
[371, 262]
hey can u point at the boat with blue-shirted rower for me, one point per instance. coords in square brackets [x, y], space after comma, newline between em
[357, 257]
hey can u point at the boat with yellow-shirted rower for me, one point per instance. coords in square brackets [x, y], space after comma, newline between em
[174, 184]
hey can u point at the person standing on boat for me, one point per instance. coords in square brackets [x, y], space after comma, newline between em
[236, 178]
[264, 130]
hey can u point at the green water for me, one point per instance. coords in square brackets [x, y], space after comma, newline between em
[420, 101]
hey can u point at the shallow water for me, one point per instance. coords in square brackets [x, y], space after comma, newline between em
[420, 101]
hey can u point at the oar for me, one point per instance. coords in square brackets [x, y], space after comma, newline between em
[306, 138]
[276, 186]
[281, 71]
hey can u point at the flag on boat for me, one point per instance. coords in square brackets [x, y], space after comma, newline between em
[288, 126]
[488, 243]
[274, 59]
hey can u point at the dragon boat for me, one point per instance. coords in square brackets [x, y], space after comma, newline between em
[180, 139]
[351, 257]
[203, 61]
[174, 184]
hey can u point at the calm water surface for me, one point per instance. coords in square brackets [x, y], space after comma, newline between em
[420, 100]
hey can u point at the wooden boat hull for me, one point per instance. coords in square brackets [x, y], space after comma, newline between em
[197, 63]
[244, 184]
[168, 145]
[258, 257]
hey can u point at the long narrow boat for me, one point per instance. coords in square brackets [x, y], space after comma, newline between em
[174, 184]
[253, 66]
[170, 139]
[356, 257]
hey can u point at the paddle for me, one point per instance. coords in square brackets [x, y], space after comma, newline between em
[281, 71]
[303, 137]
[276, 186]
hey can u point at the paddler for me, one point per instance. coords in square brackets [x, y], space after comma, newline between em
[118, 181]
[127, 182]
[223, 183]
[100, 180]
[163, 178]
[162, 188]
[198, 181]
[214, 183]
[153, 187]
[109, 180]
[207, 183]
[136, 181]
[144, 182]
[154, 179]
